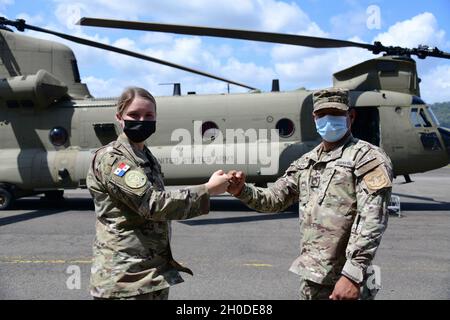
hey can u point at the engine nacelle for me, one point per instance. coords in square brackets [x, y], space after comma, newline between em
[38, 91]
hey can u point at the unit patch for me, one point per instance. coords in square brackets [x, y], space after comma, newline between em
[135, 179]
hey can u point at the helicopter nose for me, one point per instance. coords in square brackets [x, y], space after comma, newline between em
[445, 133]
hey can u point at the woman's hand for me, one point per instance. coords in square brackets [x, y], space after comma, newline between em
[218, 183]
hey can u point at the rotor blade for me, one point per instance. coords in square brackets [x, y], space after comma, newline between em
[424, 51]
[281, 38]
[132, 54]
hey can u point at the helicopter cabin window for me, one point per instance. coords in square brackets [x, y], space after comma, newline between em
[285, 127]
[58, 136]
[106, 132]
[12, 104]
[210, 131]
[419, 118]
[367, 125]
[27, 103]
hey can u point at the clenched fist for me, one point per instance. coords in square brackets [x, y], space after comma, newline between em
[237, 181]
[218, 183]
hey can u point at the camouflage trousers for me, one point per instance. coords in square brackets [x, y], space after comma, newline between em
[314, 291]
[156, 295]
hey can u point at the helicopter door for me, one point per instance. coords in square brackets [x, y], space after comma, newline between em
[367, 125]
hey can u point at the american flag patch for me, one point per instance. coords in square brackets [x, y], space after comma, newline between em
[122, 168]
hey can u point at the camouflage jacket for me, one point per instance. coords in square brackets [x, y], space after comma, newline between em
[343, 196]
[131, 251]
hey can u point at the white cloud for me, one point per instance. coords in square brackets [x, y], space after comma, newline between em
[154, 38]
[5, 3]
[313, 68]
[421, 29]
[269, 15]
[3, 6]
[435, 85]
[32, 20]
[348, 24]
[248, 62]
[282, 16]
[249, 72]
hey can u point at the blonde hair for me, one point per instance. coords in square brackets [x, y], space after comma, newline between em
[129, 94]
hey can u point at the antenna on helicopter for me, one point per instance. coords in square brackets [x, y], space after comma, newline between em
[275, 85]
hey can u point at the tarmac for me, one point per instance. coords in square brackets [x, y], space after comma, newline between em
[235, 253]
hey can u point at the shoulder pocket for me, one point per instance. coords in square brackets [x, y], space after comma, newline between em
[367, 165]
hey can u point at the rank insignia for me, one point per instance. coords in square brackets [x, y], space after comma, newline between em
[315, 181]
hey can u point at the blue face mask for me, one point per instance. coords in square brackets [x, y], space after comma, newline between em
[332, 128]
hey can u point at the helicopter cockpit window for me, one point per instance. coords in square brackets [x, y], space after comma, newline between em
[58, 136]
[419, 118]
[433, 116]
[285, 127]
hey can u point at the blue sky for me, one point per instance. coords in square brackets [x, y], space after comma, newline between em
[405, 23]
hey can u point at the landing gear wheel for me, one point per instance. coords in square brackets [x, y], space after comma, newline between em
[6, 199]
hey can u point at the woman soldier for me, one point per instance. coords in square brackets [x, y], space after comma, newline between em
[132, 258]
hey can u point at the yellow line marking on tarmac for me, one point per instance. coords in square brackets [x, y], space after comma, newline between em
[23, 261]
[257, 265]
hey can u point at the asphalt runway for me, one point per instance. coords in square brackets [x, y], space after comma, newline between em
[235, 253]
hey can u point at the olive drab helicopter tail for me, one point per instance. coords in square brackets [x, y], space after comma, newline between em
[50, 124]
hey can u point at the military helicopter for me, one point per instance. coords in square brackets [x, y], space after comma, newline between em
[50, 125]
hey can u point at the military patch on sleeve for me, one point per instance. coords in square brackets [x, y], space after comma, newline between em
[122, 168]
[377, 179]
[135, 179]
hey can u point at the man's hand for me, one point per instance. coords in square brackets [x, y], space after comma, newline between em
[345, 289]
[237, 181]
[218, 183]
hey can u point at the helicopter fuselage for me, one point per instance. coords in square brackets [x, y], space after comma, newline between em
[36, 155]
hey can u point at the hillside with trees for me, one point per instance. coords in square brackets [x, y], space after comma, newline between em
[442, 112]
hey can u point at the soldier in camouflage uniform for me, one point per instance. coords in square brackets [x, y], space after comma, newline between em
[343, 187]
[132, 258]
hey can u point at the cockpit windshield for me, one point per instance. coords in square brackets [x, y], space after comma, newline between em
[433, 116]
[420, 118]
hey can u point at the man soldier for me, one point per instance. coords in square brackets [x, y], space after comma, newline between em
[343, 187]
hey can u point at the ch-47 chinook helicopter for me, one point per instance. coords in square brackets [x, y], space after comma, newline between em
[50, 124]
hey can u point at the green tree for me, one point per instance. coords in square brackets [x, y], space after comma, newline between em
[442, 112]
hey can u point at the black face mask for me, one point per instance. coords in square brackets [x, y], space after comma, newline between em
[138, 131]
